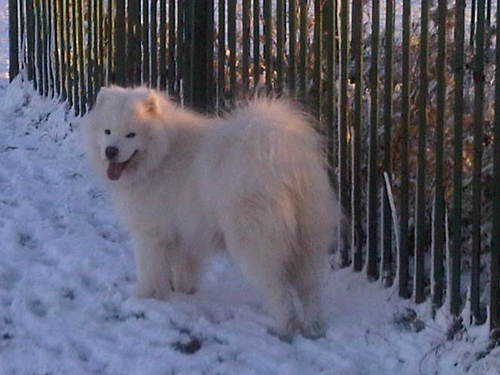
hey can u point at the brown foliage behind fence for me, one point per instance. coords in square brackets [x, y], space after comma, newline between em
[407, 94]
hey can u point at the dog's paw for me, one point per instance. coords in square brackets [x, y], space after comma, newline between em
[285, 331]
[183, 283]
[285, 336]
[182, 288]
[184, 273]
[314, 329]
[147, 291]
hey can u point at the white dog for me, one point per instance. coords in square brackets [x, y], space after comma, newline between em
[253, 183]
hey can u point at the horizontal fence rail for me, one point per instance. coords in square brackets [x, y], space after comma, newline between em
[407, 94]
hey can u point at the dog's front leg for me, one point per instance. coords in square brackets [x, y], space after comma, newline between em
[185, 271]
[153, 271]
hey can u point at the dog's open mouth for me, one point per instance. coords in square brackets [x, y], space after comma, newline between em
[115, 170]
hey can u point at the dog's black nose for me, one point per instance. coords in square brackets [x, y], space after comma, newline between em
[111, 152]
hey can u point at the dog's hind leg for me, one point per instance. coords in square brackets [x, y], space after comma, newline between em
[261, 253]
[306, 278]
[270, 278]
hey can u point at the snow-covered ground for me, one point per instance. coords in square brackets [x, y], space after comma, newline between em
[67, 276]
[67, 279]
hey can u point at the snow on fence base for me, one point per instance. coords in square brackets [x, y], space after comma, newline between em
[337, 58]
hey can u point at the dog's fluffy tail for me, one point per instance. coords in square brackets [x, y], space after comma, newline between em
[292, 152]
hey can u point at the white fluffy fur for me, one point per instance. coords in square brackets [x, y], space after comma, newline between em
[253, 182]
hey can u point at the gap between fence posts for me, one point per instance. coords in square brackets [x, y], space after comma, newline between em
[163, 46]
[120, 61]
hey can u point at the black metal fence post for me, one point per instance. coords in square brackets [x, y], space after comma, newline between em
[477, 164]
[357, 52]
[30, 40]
[373, 184]
[386, 264]
[495, 185]
[404, 245]
[13, 40]
[438, 244]
[420, 216]
[455, 254]
[200, 61]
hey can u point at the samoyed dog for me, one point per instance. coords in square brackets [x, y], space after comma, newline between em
[253, 182]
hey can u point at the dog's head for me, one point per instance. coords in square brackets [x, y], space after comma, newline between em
[124, 132]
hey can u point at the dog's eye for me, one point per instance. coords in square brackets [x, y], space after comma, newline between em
[107, 132]
[130, 135]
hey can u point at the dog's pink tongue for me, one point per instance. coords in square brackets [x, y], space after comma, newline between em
[115, 170]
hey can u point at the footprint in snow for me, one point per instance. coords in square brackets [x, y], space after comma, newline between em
[37, 308]
[26, 240]
[9, 278]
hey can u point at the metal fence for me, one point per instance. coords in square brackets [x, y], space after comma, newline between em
[407, 94]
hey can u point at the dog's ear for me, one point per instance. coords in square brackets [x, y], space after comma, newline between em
[149, 104]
